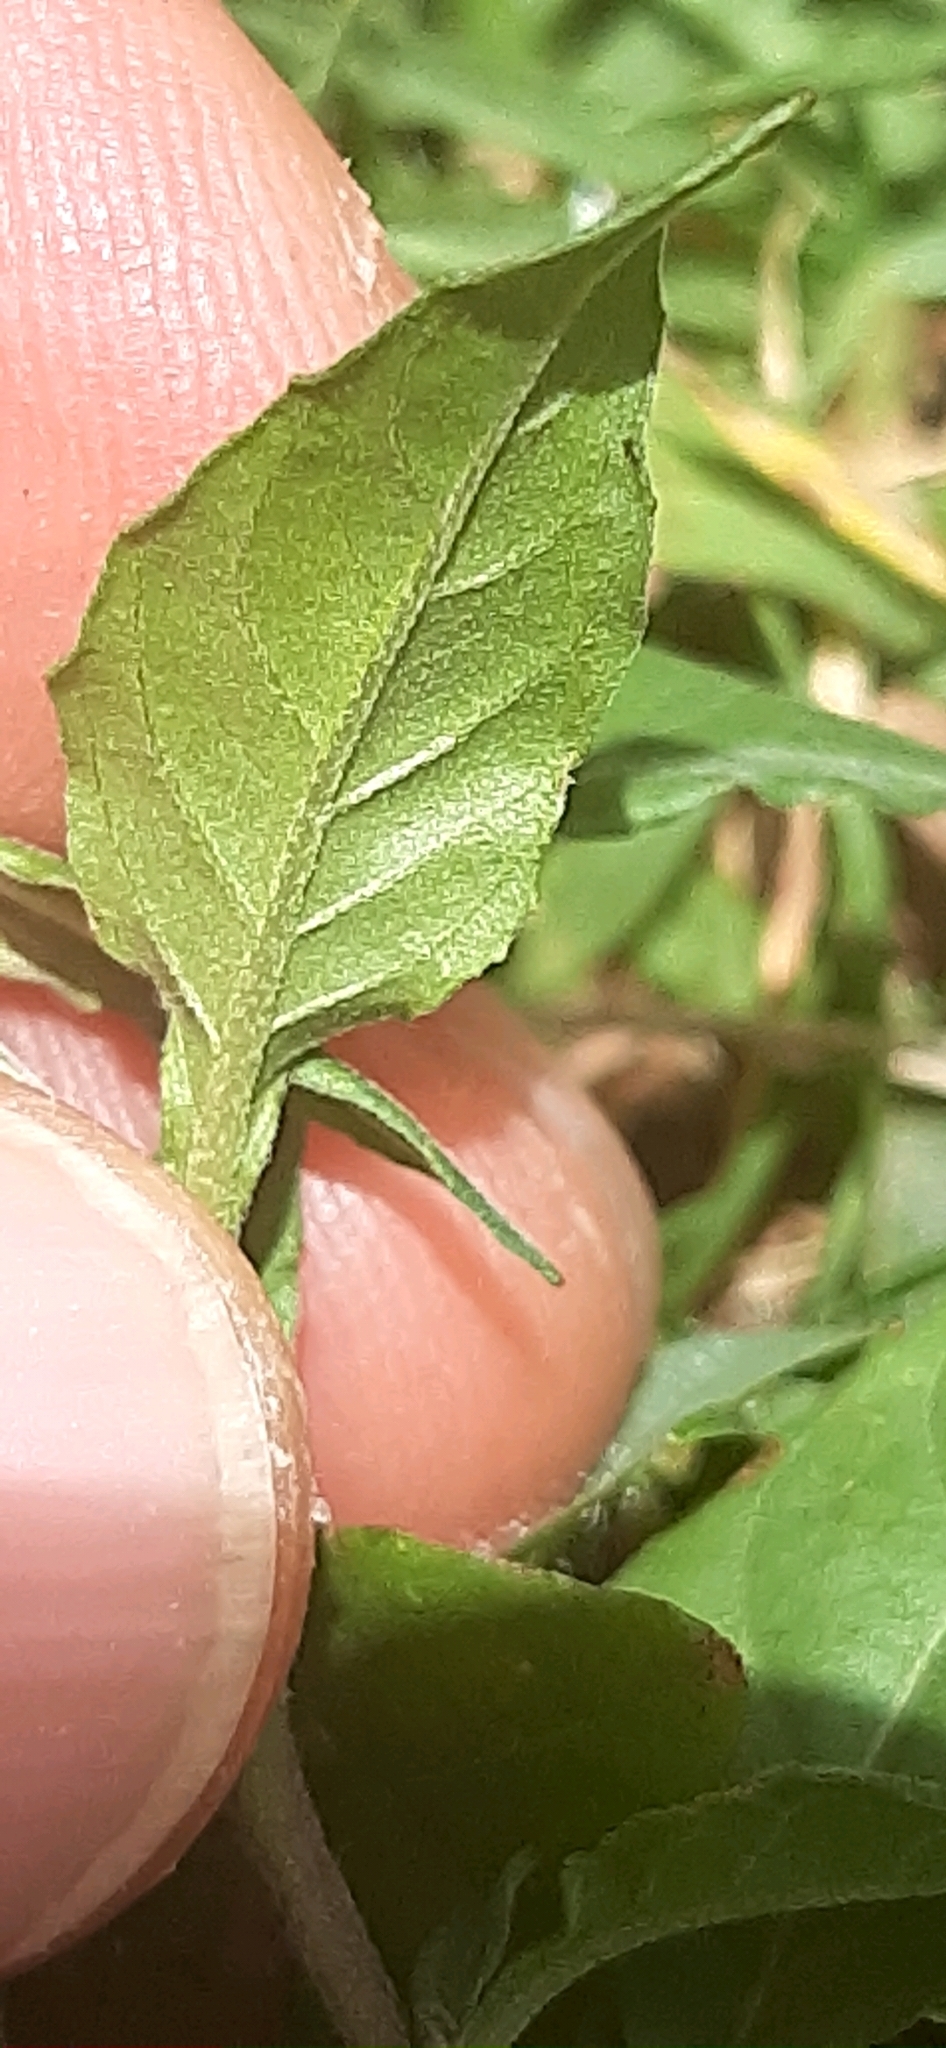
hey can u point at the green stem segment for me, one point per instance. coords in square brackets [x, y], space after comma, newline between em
[284, 1838]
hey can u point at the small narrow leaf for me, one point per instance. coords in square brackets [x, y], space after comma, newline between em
[45, 937]
[34, 866]
[688, 732]
[17, 966]
[272, 1234]
[279, 1270]
[350, 1102]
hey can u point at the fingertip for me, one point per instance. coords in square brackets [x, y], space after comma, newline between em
[453, 1391]
[178, 241]
[98, 1062]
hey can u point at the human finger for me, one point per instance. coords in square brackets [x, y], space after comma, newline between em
[178, 241]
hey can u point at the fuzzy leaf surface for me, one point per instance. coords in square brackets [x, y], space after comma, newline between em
[325, 702]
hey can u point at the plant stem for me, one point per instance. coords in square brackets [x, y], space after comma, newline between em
[284, 1838]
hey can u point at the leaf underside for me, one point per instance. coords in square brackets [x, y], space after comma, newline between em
[325, 703]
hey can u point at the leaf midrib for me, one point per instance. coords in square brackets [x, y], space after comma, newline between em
[264, 963]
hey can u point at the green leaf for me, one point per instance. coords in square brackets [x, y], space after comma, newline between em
[782, 39]
[716, 52]
[828, 1569]
[336, 1094]
[272, 1233]
[690, 732]
[459, 231]
[461, 1959]
[298, 38]
[428, 81]
[818, 1979]
[713, 1374]
[32, 865]
[699, 1232]
[352, 1103]
[790, 1841]
[45, 937]
[279, 1270]
[452, 1712]
[704, 949]
[593, 894]
[713, 1383]
[325, 702]
[826, 1566]
[906, 1220]
[720, 521]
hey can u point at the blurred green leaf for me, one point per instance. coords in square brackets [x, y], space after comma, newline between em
[705, 948]
[716, 301]
[688, 732]
[299, 38]
[593, 894]
[699, 1232]
[452, 1712]
[841, 48]
[722, 521]
[906, 1219]
[713, 1383]
[465, 226]
[412, 80]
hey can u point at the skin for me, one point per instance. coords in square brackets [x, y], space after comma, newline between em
[130, 1697]
[451, 1391]
[179, 240]
[200, 244]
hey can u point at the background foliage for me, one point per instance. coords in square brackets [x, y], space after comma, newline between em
[756, 987]
[566, 1815]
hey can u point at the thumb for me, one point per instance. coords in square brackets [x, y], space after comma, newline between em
[156, 1505]
[179, 241]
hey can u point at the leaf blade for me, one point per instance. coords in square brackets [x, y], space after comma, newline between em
[353, 1103]
[790, 1841]
[197, 817]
